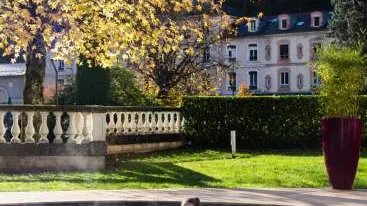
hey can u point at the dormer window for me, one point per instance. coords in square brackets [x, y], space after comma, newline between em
[316, 19]
[283, 22]
[252, 25]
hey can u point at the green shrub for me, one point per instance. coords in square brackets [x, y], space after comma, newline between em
[93, 85]
[115, 86]
[341, 71]
[125, 89]
[277, 122]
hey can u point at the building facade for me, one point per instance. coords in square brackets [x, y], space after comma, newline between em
[12, 79]
[272, 54]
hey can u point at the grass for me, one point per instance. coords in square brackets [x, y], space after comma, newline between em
[192, 168]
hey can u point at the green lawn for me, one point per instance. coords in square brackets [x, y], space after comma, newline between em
[192, 168]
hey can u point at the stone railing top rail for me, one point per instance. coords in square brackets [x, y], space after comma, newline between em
[89, 108]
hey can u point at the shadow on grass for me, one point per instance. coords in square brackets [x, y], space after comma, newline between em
[162, 173]
[125, 173]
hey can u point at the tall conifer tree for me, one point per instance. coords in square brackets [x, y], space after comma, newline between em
[349, 24]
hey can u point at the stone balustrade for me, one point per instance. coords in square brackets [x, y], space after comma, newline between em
[83, 124]
[153, 121]
[58, 138]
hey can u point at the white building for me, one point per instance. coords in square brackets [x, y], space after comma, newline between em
[12, 79]
[271, 54]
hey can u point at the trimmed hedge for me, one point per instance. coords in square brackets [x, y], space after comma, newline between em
[276, 122]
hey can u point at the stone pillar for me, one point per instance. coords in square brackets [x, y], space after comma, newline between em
[99, 127]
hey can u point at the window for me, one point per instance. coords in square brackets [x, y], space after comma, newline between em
[315, 48]
[253, 80]
[315, 79]
[268, 82]
[284, 24]
[231, 53]
[267, 52]
[252, 25]
[284, 21]
[300, 81]
[206, 55]
[284, 79]
[252, 49]
[61, 65]
[284, 51]
[232, 81]
[317, 21]
[299, 51]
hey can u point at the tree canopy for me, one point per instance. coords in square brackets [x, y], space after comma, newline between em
[349, 24]
[103, 30]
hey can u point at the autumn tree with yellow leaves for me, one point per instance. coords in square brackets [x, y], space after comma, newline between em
[185, 40]
[156, 36]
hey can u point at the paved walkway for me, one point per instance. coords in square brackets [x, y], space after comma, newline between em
[207, 196]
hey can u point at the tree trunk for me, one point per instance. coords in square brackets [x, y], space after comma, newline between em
[35, 71]
[163, 93]
[163, 81]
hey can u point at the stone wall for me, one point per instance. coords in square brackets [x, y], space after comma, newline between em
[20, 158]
[143, 147]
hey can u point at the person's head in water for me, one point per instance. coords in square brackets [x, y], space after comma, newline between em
[191, 202]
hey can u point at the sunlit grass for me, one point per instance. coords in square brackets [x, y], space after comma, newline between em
[191, 168]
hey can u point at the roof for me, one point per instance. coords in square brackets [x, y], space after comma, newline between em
[299, 22]
[12, 69]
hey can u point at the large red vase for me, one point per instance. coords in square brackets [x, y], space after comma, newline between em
[341, 145]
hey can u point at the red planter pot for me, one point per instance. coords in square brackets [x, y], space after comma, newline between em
[341, 145]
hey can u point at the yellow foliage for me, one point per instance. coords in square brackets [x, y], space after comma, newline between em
[102, 30]
[244, 90]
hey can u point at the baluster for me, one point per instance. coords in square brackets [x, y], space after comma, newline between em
[178, 122]
[119, 123]
[166, 123]
[107, 123]
[133, 122]
[87, 131]
[71, 130]
[79, 121]
[111, 123]
[140, 125]
[15, 129]
[29, 130]
[58, 128]
[2, 127]
[43, 131]
[146, 122]
[153, 124]
[126, 124]
[172, 122]
[160, 122]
